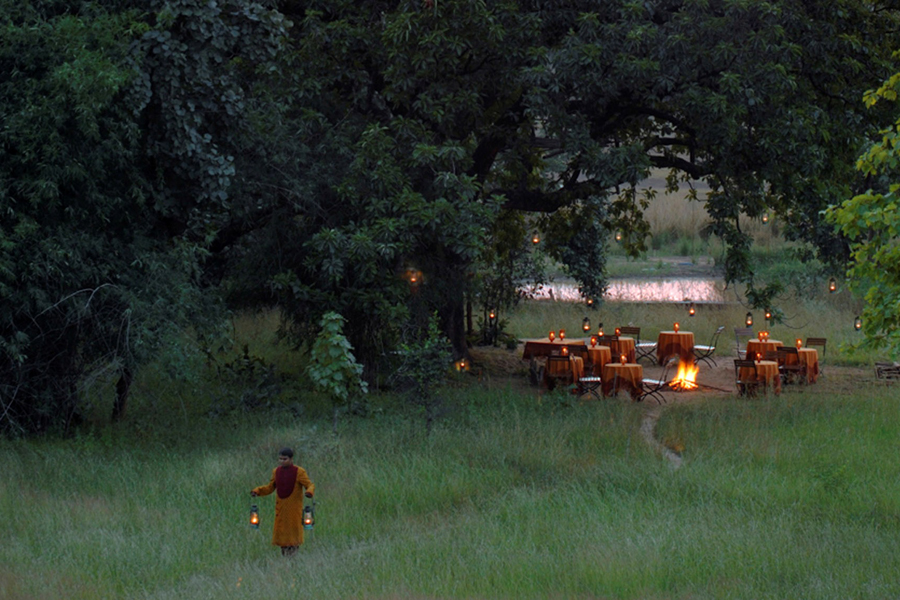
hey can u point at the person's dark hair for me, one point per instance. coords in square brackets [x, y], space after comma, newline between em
[286, 452]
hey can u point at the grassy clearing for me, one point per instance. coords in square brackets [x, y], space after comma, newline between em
[793, 496]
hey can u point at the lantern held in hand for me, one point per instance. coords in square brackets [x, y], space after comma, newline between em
[309, 515]
[254, 516]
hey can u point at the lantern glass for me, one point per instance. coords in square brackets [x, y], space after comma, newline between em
[586, 324]
[857, 323]
[691, 310]
[309, 516]
[768, 315]
[765, 218]
[832, 285]
[618, 236]
[254, 516]
[749, 319]
[535, 238]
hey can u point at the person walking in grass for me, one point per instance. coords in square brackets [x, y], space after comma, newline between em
[289, 482]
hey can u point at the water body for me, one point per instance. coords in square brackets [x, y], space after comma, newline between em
[663, 289]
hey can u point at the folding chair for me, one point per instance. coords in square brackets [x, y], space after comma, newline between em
[559, 369]
[887, 371]
[653, 388]
[742, 335]
[705, 353]
[745, 385]
[641, 349]
[788, 369]
[819, 342]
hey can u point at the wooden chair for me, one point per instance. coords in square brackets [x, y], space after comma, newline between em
[745, 386]
[590, 384]
[886, 371]
[787, 370]
[742, 335]
[704, 352]
[818, 342]
[559, 370]
[604, 340]
[641, 349]
[653, 388]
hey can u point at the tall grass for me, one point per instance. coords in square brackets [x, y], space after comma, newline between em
[792, 496]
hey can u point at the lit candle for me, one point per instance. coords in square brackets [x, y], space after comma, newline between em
[618, 331]
[593, 341]
[565, 350]
[676, 326]
[552, 335]
[799, 343]
[562, 334]
[623, 358]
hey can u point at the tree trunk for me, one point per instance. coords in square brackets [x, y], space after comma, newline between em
[123, 387]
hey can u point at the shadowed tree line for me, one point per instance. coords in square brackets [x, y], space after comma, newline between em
[161, 162]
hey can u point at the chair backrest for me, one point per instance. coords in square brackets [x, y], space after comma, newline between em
[604, 340]
[635, 331]
[743, 364]
[715, 336]
[817, 341]
[771, 355]
[742, 335]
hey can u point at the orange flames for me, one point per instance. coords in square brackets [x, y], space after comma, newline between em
[686, 378]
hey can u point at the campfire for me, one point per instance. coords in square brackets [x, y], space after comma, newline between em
[686, 378]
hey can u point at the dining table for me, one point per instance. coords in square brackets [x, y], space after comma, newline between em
[675, 343]
[619, 376]
[622, 345]
[758, 348]
[575, 367]
[809, 357]
[766, 374]
[600, 355]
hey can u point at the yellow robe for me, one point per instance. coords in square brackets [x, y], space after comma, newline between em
[288, 527]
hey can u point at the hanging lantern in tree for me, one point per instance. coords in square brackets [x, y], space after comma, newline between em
[832, 285]
[857, 323]
[748, 320]
[765, 218]
[586, 324]
[535, 238]
[590, 301]
[768, 315]
[618, 236]
[691, 310]
[254, 516]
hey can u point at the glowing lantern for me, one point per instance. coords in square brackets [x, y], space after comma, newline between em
[691, 310]
[535, 238]
[758, 357]
[676, 326]
[586, 324]
[832, 285]
[254, 516]
[618, 236]
[857, 323]
[799, 343]
[623, 358]
[309, 516]
[618, 332]
[565, 350]
[768, 314]
[748, 320]
[765, 218]
[593, 341]
[552, 335]
[562, 334]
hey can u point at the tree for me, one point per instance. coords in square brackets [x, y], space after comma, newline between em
[332, 366]
[118, 121]
[416, 128]
[871, 222]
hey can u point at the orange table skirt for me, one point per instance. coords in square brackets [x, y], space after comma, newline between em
[618, 377]
[575, 366]
[624, 345]
[766, 373]
[670, 343]
[600, 355]
[755, 347]
[808, 357]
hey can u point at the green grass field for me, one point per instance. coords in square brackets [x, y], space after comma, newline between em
[515, 494]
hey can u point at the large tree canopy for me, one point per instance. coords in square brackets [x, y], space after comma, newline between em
[407, 134]
[386, 159]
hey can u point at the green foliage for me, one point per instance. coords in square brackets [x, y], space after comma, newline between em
[423, 370]
[871, 221]
[332, 366]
